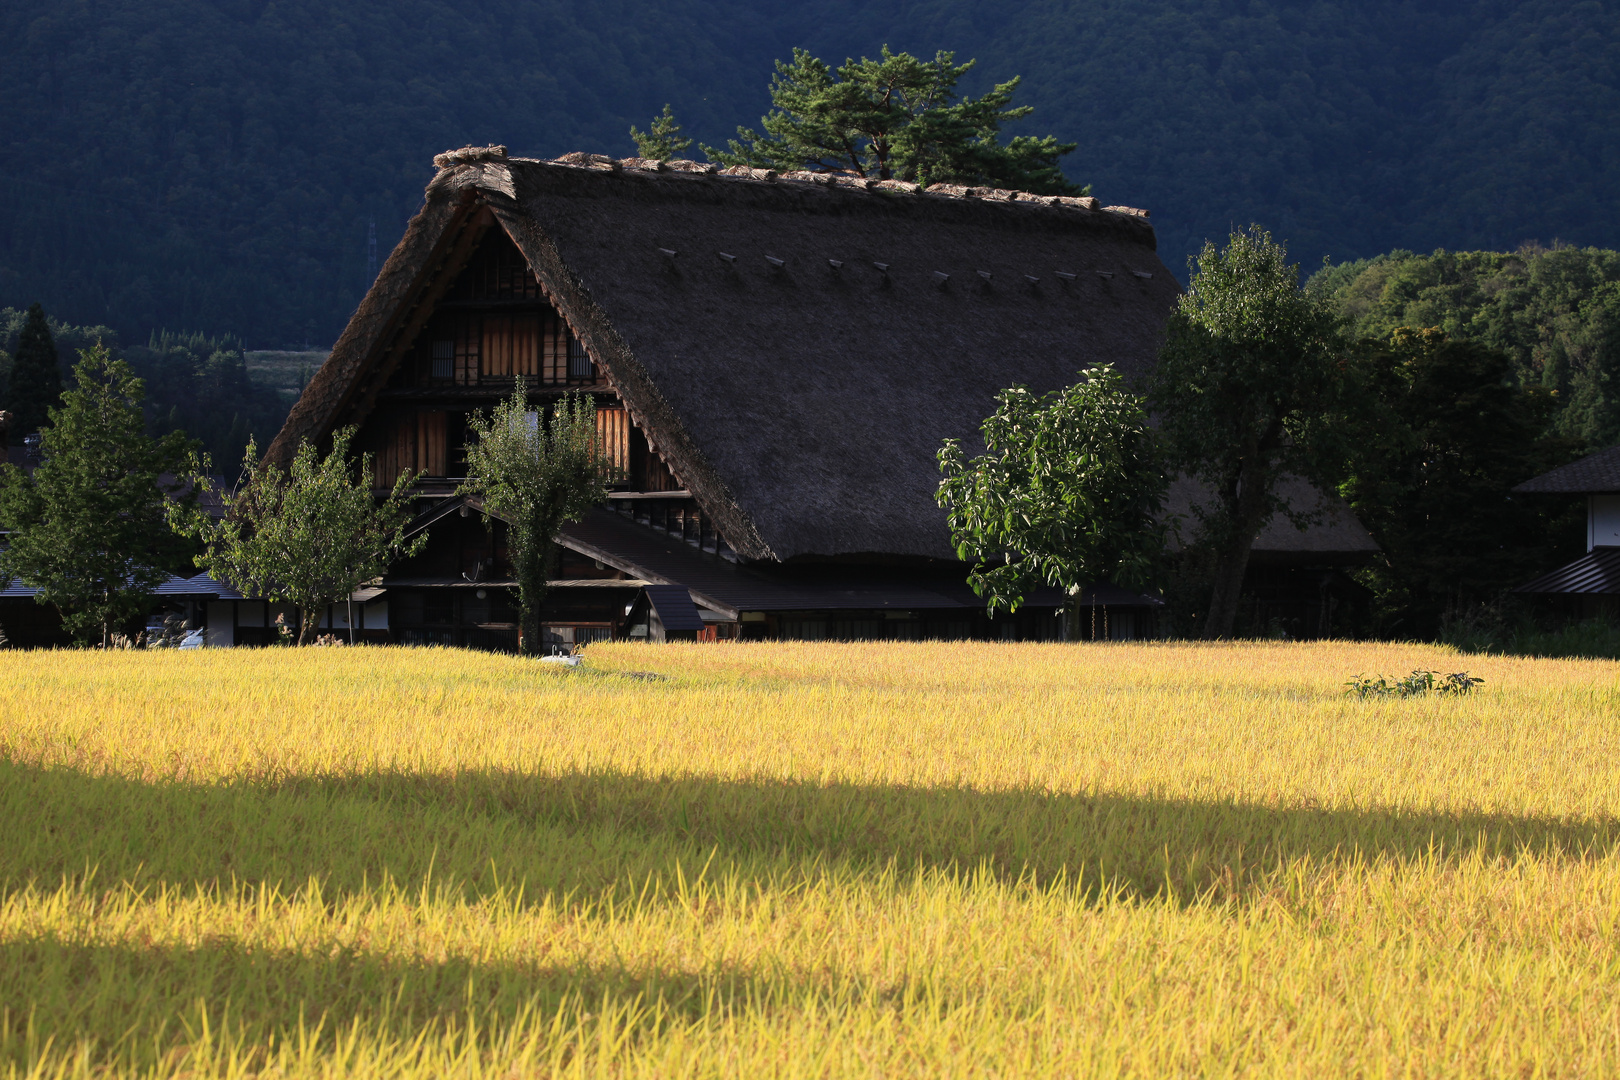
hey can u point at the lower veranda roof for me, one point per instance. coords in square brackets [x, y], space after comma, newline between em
[1597, 573]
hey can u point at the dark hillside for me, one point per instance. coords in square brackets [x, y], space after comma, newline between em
[216, 163]
[1348, 129]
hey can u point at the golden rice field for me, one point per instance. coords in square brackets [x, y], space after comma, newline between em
[807, 860]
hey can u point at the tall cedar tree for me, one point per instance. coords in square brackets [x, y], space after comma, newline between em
[89, 528]
[1067, 494]
[897, 118]
[536, 474]
[36, 377]
[663, 139]
[1447, 431]
[307, 536]
[201, 384]
[1249, 374]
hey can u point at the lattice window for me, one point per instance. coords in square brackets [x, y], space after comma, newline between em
[580, 368]
[444, 359]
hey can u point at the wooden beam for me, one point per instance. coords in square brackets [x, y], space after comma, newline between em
[608, 558]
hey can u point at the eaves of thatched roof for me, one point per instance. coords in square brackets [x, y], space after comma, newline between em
[1332, 534]
[796, 347]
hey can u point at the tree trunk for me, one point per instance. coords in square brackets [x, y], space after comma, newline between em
[1245, 510]
[529, 643]
[308, 621]
[533, 571]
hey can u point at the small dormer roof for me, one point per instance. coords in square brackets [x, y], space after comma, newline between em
[1594, 474]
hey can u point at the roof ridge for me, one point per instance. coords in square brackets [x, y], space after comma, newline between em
[608, 164]
[469, 155]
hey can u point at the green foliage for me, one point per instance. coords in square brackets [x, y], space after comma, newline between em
[1246, 385]
[1555, 312]
[1506, 627]
[1067, 493]
[35, 382]
[88, 527]
[897, 118]
[1444, 432]
[536, 474]
[194, 383]
[70, 342]
[307, 536]
[1418, 684]
[200, 384]
[663, 140]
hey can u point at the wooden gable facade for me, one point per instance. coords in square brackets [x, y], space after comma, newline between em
[492, 330]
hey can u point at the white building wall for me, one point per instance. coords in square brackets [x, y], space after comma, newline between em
[1602, 521]
[221, 624]
[372, 616]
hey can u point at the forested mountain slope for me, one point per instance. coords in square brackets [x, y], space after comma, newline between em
[215, 164]
[1555, 312]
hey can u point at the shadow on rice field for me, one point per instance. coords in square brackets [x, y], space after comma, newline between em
[258, 997]
[581, 837]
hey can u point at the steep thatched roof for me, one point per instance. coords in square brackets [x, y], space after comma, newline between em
[801, 388]
[796, 347]
[1594, 474]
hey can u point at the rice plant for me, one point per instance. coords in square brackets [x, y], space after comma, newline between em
[807, 860]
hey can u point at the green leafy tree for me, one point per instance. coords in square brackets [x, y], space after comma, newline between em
[897, 118]
[1554, 311]
[1248, 376]
[36, 375]
[201, 384]
[663, 140]
[307, 536]
[536, 474]
[1446, 430]
[89, 527]
[1067, 493]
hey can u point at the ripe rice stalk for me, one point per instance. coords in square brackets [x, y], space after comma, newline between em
[807, 860]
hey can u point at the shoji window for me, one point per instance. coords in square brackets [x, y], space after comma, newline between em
[414, 443]
[613, 430]
[511, 346]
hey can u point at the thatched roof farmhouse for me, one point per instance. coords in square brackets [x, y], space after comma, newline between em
[776, 360]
